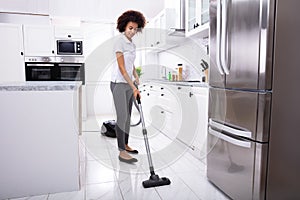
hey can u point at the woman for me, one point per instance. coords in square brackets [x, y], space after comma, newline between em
[122, 85]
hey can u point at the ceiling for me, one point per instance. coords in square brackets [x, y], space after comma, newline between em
[111, 10]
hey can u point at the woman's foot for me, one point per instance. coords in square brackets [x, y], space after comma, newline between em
[130, 150]
[125, 157]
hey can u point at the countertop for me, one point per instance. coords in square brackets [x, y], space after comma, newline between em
[179, 83]
[40, 85]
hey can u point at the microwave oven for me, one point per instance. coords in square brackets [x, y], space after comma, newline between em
[69, 47]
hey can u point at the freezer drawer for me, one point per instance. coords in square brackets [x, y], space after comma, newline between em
[244, 110]
[237, 167]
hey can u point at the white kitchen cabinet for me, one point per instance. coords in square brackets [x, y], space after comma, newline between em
[188, 104]
[197, 17]
[68, 32]
[12, 53]
[178, 111]
[161, 108]
[159, 38]
[65, 8]
[39, 40]
[28, 6]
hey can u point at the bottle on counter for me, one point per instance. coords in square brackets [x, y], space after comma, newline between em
[179, 72]
[169, 76]
[174, 76]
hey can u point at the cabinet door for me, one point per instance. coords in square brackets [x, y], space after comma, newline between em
[65, 32]
[11, 56]
[190, 116]
[65, 8]
[196, 17]
[39, 40]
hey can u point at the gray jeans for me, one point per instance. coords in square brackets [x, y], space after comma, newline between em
[123, 99]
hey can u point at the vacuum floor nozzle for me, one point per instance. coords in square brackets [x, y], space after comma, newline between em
[155, 181]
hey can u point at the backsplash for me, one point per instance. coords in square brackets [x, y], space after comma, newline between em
[190, 55]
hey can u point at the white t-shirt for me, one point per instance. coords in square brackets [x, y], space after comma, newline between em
[128, 49]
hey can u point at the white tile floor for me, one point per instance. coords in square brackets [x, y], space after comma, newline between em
[105, 177]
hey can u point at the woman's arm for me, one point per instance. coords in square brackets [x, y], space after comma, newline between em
[121, 64]
[136, 76]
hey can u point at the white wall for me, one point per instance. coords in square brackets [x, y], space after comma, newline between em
[189, 54]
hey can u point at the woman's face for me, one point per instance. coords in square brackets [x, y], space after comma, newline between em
[131, 29]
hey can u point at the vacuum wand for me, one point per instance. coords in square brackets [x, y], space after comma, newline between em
[154, 180]
[145, 136]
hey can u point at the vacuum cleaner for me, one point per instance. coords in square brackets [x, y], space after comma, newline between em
[154, 179]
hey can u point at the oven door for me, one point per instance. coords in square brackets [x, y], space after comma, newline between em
[71, 72]
[40, 72]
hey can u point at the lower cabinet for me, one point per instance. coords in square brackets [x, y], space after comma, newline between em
[179, 112]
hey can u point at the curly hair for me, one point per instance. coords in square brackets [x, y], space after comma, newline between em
[131, 16]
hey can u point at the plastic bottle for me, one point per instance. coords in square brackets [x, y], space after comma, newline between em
[169, 76]
[179, 72]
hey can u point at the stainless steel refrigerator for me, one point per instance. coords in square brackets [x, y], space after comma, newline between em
[254, 98]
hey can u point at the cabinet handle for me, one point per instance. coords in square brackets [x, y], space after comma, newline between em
[191, 94]
[162, 112]
[148, 94]
[52, 51]
[69, 36]
[161, 88]
[22, 53]
[161, 94]
[151, 86]
[157, 42]
[179, 88]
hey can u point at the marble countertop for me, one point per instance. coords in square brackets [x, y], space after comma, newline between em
[40, 85]
[179, 83]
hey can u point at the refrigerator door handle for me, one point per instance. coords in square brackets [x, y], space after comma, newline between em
[228, 129]
[218, 38]
[224, 31]
[231, 140]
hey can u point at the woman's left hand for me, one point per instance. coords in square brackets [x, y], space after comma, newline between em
[136, 93]
[137, 80]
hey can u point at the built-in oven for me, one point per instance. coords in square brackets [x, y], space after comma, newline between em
[54, 70]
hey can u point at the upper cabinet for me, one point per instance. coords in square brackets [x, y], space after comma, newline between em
[39, 40]
[197, 17]
[68, 32]
[11, 56]
[159, 35]
[160, 26]
[65, 8]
